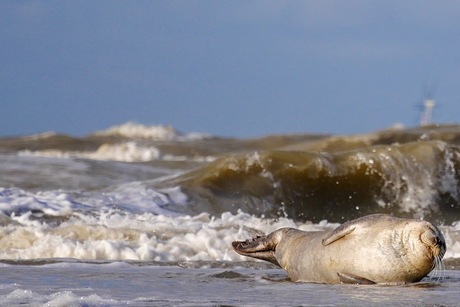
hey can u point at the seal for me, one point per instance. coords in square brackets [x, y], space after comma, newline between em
[374, 249]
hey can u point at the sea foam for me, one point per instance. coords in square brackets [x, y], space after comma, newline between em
[130, 151]
[112, 233]
[125, 152]
[57, 225]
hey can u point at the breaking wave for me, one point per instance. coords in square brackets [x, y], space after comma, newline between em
[133, 130]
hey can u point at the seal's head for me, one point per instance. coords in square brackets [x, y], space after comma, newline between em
[425, 245]
[433, 240]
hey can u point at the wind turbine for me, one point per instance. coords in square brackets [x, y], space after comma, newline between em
[428, 105]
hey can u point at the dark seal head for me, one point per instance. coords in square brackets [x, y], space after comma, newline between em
[373, 249]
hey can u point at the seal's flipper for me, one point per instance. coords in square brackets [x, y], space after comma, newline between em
[260, 247]
[352, 279]
[350, 226]
[338, 233]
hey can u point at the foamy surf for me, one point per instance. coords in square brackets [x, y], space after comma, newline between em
[123, 152]
[126, 152]
[56, 225]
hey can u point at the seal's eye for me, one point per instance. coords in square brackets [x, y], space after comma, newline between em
[434, 240]
[430, 238]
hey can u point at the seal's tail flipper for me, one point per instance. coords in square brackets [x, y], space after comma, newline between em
[257, 248]
[260, 247]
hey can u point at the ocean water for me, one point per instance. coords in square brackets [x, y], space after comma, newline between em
[145, 215]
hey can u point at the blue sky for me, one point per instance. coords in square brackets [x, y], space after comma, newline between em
[230, 68]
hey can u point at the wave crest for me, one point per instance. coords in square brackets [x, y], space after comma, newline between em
[134, 130]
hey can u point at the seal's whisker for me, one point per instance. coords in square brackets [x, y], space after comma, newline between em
[440, 265]
[438, 269]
